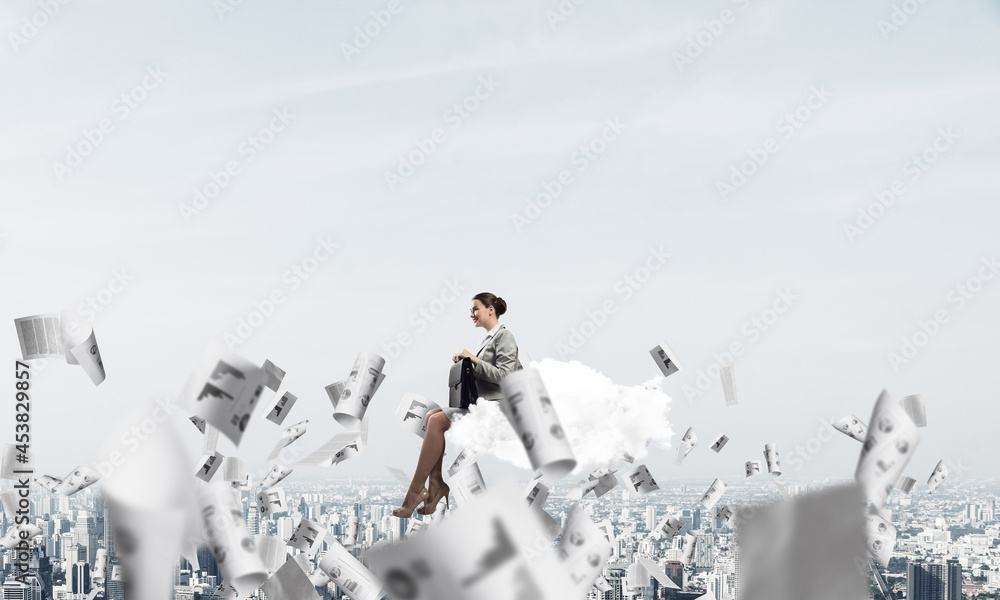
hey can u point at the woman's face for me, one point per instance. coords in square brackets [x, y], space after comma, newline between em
[479, 313]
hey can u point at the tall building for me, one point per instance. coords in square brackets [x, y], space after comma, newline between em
[15, 590]
[114, 587]
[704, 551]
[615, 575]
[934, 581]
[85, 532]
[650, 517]
[80, 583]
[109, 537]
[253, 520]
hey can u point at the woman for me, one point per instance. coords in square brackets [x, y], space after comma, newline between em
[497, 356]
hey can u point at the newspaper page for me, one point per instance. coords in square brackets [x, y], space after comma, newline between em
[224, 389]
[530, 412]
[347, 572]
[410, 412]
[351, 397]
[666, 360]
[891, 441]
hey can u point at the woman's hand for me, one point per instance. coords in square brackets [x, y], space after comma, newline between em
[465, 354]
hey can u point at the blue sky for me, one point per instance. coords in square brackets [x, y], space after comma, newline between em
[655, 185]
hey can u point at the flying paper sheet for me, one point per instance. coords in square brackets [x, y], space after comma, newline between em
[331, 451]
[805, 549]
[668, 528]
[467, 483]
[275, 475]
[308, 537]
[752, 467]
[208, 466]
[880, 538]
[582, 488]
[349, 574]
[666, 360]
[234, 550]
[410, 412]
[65, 335]
[771, 457]
[535, 495]
[720, 442]
[80, 478]
[464, 457]
[728, 378]
[351, 396]
[713, 493]
[726, 515]
[100, 566]
[288, 435]
[892, 438]
[277, 413]
[273, 375]
[15, 464]
[489, 550]
[583, 551]
[687, 551]
[48, 482]
[640, 480]
[234, 469]
[853, 427]
[290, 582]
[272, 550]
[915, 409]
[905, 484]
[530, 412]
[198, 422]
[937, 477]
[271, 501]
[16, 533]
[688, 442]
[9, 502]
[353, 532]
[224, 389]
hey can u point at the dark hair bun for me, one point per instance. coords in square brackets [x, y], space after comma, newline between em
[500, 306]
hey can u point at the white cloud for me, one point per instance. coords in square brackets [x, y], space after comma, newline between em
[603, 419]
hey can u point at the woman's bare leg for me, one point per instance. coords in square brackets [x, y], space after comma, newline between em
[431, 454]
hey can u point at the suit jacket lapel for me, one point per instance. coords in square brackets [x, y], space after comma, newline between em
[488, 340]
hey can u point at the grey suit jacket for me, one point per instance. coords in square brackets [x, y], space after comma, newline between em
[497, 358]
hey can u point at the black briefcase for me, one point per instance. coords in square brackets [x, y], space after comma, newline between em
[462, 384]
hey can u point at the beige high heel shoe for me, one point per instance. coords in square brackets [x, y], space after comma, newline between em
[404, 512]
[430, 505]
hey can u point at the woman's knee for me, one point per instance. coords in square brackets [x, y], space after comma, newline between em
[438, 421]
